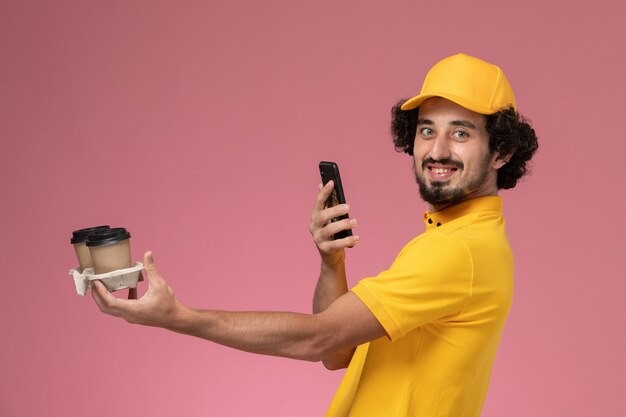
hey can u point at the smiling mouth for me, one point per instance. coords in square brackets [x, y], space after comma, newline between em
[441, 175]
[441, 170]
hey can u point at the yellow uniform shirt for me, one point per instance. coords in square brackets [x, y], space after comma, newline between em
[443, 303]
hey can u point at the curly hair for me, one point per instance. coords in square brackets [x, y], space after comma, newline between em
[509, 133]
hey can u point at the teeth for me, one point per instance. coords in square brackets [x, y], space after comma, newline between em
[440, 170]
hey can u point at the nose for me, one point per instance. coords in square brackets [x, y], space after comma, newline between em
[440, 149]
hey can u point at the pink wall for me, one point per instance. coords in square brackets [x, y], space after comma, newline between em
[199, 125]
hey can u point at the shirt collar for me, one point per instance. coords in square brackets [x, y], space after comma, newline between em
[441, 217]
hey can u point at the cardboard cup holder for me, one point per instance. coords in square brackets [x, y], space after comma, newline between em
[113, 281]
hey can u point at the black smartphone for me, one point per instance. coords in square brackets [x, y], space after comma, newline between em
[330, 171]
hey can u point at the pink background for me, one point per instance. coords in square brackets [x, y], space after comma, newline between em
[199, 126]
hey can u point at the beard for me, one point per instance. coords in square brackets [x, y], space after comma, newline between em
[439, 193]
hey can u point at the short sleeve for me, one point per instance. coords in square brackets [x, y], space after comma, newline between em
[429, 280]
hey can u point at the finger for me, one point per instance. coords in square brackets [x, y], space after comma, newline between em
[108, 303]
[103, 298]
[322, 196]
[349, 242]
[154, 278]
[333, 228]
[326, 215]
[335, 245]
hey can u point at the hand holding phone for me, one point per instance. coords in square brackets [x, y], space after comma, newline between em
[330, 171]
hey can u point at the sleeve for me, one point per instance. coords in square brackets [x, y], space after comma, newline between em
[430, 279]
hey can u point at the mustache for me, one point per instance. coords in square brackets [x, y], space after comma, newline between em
[446, 161]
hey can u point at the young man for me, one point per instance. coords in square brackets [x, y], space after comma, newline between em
[421, 337]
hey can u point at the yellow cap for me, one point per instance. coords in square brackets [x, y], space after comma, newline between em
[469, 82]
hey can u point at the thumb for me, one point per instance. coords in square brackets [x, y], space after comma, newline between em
[153, 274]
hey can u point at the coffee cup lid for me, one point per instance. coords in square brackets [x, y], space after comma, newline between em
[108, 236]
[79, 236]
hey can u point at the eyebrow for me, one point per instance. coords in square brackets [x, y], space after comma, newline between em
[464, 123]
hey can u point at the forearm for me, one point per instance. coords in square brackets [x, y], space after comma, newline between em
[331, 284]
[291, 335]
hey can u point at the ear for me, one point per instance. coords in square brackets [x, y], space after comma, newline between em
[500, 161]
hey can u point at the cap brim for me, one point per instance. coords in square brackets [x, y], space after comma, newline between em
[414, 102]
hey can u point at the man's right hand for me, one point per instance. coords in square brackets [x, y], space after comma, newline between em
[322, 229]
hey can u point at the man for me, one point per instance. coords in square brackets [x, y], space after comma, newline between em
[420, 338]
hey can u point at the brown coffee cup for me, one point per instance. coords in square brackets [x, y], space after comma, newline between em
[110, 250]
[79, 240]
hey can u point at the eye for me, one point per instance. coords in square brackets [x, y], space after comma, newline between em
[426, 131]
[460, 134]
